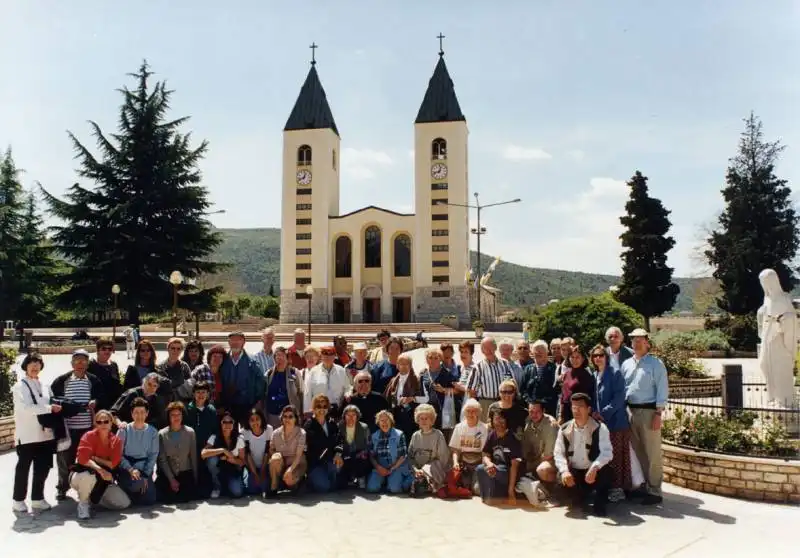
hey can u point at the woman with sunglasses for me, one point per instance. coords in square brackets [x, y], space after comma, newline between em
[144, 362]
[287, 464]
[224, 457]
[107, 371]
[323, 452]
[612, 411]
[576, 379]
[515, 411]
[98, 457]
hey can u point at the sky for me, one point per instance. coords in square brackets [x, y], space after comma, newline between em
[564, 101]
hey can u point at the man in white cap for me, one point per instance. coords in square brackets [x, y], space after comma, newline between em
[646, 392]
[359, 362]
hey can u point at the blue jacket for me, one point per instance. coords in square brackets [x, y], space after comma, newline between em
[243, 383]
[395, 437]
[610, 399]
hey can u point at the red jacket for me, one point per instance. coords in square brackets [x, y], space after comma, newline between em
[295, 359]
[91, 446]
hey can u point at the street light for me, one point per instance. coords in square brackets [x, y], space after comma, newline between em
[176, 279]
[115, 291]
[310, 293]
[478, 231]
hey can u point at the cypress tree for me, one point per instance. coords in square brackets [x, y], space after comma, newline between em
[646, 284]
[146, 215]
[758, 228]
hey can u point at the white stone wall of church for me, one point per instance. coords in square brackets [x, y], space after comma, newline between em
[432, 309]
[294, 311]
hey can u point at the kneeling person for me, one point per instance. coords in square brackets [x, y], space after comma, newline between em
[287, 462]
[497, 475]
[582, 451]
[389, 457]
[538, 444]
[178, 467]
[139, 454]
[430, 458]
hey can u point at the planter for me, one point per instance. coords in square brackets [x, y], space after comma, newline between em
[479, 332]
[450, 321]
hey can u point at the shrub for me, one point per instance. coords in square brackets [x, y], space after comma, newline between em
[585, 319]
[8, 357]
[695, 342]
[741, 331]
[679, 363]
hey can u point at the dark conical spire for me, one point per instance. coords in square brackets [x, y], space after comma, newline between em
[440, 103]
[311, 110]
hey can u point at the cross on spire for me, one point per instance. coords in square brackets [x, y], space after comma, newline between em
[441, 47]
[313, 48]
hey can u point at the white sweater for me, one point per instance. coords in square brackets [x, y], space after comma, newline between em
[334, 384]
[27, 429]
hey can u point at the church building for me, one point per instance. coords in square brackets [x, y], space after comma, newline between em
[374, 265]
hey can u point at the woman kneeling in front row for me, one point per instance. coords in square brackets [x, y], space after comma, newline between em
[178, 469]
[224, 457]
[388, 455]
[287, 464]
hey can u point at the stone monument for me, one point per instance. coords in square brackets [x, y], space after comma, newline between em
[777, 329]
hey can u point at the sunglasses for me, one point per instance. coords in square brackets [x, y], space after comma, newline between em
[364, 381]
[102, 422]
[227, 422]
[288, 417]
[599, 355]
[322, 407]
[507, 392]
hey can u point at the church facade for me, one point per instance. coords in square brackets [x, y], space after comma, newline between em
[374, 265]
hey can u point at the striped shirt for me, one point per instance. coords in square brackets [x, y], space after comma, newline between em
[265, 360]
[487, 377]
[79, 390]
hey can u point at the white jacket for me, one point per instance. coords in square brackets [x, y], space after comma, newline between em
[334, 384]
[27, 429]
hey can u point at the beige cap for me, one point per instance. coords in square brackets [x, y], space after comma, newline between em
[359, 346]
[639, 332]
[299, 330]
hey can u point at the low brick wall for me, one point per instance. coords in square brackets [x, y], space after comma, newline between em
[750, 478]
[6, 433]
[689, 389]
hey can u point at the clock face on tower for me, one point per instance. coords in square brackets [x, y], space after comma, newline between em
[304, 177]
[439, 171]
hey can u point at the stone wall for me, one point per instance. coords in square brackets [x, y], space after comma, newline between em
[749, 478]
[6, 433]
[431, 309]
[295, 311]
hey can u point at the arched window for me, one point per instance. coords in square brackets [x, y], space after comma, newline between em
[344, 257]
[372, 247]
[438, 149]
[304, 155]
[402, 256]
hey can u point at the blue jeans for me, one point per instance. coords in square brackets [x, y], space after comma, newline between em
[323, 477]
[397, 482]
[492, 487]
[221, 480]
[252, 487]
[133, 488]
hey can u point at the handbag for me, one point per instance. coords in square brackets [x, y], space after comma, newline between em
[47, 420]
[448, 412]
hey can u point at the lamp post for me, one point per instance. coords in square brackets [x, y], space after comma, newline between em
[478, 231]
[176, 279]
[115, 291]
[310, 295]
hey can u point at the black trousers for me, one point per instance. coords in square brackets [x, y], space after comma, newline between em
[187, 489]
[601, 485]
[40, 455]
[66, 459]
[354, 468]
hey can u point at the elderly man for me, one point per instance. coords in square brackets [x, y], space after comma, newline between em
[381, 352]
[484, 382]
[155, 390]
[369, 402]
[326, 378]
[538, 446]
[266, 356]
[617, 352]
[359, 362]
[539, 378]
[296, 351]
[506, 349]
[646, 392]
[84, 389]
[524, 354]
[242, 379]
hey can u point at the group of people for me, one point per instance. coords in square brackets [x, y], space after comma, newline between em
[545, 421]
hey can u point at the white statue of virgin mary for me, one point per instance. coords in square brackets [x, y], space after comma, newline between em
[777, 328]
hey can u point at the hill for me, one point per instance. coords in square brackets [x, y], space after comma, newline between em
[254, 255]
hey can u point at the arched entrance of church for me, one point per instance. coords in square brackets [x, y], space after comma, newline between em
[371, 304]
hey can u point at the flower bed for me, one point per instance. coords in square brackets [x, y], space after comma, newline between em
[749, 478]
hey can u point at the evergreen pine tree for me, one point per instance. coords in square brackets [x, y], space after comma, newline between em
[646, 284]
[758, 228]
[12, 207]
[147, 215]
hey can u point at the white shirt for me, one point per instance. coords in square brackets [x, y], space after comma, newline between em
[580, 454]
[239, 443]
[468, 438]
[613, 360]
[401, 382]
[334, 383]
[27, 429]
[257, 444]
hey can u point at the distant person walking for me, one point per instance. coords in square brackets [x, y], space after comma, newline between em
[130, 342]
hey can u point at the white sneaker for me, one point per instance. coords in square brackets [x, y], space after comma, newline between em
[214, 494]
[19, 507]
[362, 483]
[40, 505]
[84, 510]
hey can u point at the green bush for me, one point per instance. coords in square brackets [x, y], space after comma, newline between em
[585, 319]
[738, 433]
[698, 341]
[741, 331]
[7, 378]
[679, 363]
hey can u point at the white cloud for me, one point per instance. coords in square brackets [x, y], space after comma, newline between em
[518, 153]
[362, 164]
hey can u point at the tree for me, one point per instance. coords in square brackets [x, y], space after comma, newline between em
[646, 284]
[12, 264]
[147, 215]
[758, 228]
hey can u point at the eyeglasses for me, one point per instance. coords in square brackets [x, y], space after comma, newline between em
[227, 422]
[102, 421]
[287, 417]
[507, 392]
[322, 407]
[599, 355]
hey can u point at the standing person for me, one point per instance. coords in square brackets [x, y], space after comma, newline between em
[499, 471]
[297, 349]
[176, 371]
[266, 356]
[193, 354]
[385, 369]
[524, 354]
[582, 451]
[257, 436]
[617, 351]
[211, 373]
[35, 444]
[329, 379]
[646, 393]
[130, 343]
[526, 332]
[555, 351]
[442, 381]
[284, 387]
[466, 350]
[506, 350]
[484, 382]
[242, 379]
[144, 362]
[343, 358]
[539, 379]
[576, 379]
[107, 371]
[178, 461]
[381, 352]
[368, 402]
[404, 392]
[311, 358]
[139, 454]
[359, 363]
[84, 389]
